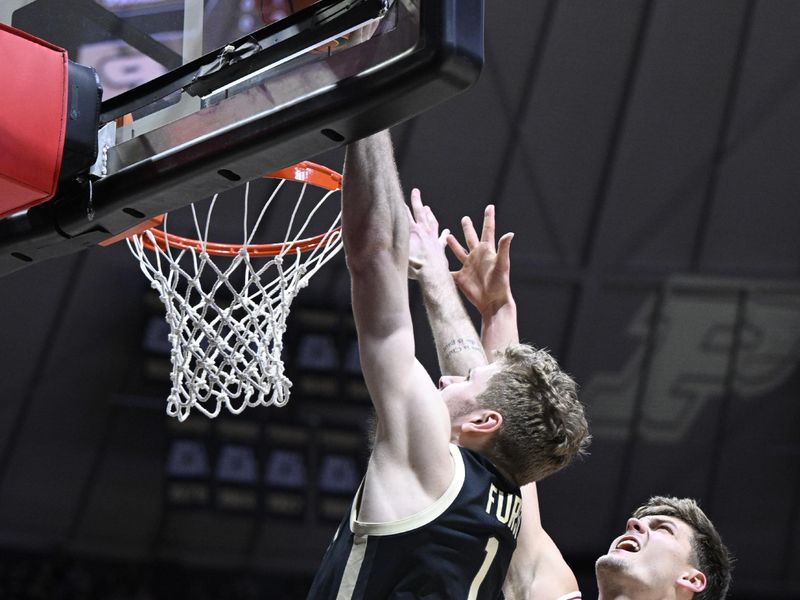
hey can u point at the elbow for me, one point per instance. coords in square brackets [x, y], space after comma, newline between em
[361, 260]
[377, 241]
[368, 258]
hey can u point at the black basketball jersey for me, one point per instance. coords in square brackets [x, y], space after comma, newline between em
[459, 548]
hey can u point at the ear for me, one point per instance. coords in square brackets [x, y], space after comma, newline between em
[483, 420]
[693, 581]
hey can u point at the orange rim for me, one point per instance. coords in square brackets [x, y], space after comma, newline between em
[303, 172]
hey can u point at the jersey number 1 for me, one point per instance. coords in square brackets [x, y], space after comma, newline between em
[491, 550]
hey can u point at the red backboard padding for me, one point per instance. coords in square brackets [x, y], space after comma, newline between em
[33, 106]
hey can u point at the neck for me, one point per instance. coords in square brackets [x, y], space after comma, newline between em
[505, 473]
[631, 590]
[480, 449]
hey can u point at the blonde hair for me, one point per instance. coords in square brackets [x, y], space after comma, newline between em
[544, 425]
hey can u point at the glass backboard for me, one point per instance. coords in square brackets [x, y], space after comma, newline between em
[200, 96]
[131, 42]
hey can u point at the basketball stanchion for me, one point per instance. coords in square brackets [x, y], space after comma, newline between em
[227, 304]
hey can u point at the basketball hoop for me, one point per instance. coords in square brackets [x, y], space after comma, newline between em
[227, 320]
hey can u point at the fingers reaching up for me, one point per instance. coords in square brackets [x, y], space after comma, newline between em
[426, 245]
[484, 277]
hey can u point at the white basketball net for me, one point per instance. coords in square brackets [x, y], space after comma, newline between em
[230, 356]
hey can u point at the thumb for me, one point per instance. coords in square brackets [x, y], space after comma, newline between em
[504, 250]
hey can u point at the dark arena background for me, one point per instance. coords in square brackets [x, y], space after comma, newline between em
[647, 156]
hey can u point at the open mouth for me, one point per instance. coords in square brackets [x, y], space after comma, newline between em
[627, 545]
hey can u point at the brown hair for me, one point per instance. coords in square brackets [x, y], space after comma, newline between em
[544, 425]
[709, 554]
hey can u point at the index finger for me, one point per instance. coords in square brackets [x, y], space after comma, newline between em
[457, 249]
[470, 235]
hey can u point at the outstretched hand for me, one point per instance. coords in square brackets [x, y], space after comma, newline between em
[426, 255]
[484, 277]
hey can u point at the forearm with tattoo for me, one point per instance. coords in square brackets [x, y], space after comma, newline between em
[458, 347]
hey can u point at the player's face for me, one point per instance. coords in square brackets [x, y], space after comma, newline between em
[459, 393]
[652, 556]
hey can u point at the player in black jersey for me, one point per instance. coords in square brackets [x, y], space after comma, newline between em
[432, 519]
[670, 549]
[537, 569]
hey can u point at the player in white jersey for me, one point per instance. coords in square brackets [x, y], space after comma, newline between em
[669, 550]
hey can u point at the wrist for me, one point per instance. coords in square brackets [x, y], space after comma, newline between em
[505, 304]
[435, 277]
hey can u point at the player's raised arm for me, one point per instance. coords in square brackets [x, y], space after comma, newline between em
[412, 436]
[485, 280]
[458, 347]
[538, 570]
[375, 235]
